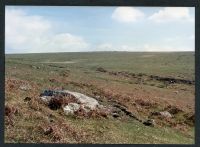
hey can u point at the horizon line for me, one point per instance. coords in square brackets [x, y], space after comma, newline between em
[103, 51]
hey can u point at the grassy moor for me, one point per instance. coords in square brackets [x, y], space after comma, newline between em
[145, 97]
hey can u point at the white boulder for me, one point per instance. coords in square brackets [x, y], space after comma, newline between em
[71, 108]
[87, 103]
[46, 99]
[166, 114]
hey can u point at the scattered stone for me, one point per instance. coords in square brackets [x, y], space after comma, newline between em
[25, 87]
[35, 67]
[82, 105]
[46, 99]
[166, 114]
[71, 108]
[87, 102]
[149, 122]
[98, 97]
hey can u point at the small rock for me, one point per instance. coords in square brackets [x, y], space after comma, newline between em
[33, 66]
[149, 122]
[46, 99]
[25, 87]
[101, 107]
[71, 108]
[165, 114]
[115, 115]
[97, 96]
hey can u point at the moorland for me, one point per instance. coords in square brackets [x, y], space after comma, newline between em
[139, 83]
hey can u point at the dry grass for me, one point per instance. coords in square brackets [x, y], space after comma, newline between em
[28, 120]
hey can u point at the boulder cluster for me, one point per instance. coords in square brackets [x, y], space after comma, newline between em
[71, 102]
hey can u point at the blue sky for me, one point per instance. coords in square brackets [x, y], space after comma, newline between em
[76, 29]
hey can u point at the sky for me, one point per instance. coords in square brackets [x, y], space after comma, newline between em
[37, 29]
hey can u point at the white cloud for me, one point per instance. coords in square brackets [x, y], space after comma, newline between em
[169, 14]
[33, 33]
[127, 14]
[66, 42]
[28, 33]
[166, 48]
[148, 47]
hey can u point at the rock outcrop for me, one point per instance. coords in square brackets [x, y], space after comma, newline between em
[78, 104]
[69, 101]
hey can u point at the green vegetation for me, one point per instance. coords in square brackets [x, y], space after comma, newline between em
[126, 80]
